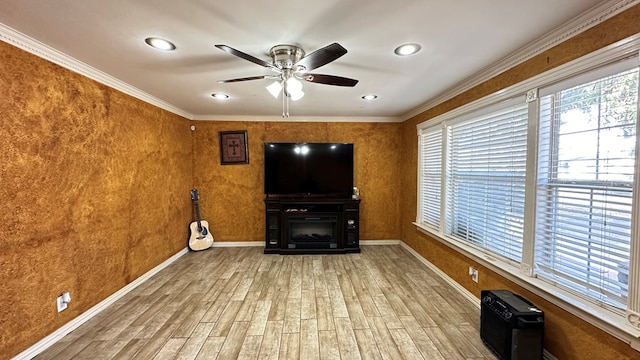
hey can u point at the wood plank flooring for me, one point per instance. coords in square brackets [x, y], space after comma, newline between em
[237, 303]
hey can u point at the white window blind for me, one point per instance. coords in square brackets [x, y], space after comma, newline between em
[485, 177]
[586, 158]
[431, 176]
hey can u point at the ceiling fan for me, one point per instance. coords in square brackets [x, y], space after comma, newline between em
[290, 67]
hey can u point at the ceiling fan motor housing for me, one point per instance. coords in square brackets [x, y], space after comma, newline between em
[285, 56]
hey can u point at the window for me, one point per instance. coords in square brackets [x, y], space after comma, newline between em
[484, 178]
[585, 186]
[431, 175]
[544, 186]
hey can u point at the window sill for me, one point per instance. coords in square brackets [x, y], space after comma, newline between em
[610, 322]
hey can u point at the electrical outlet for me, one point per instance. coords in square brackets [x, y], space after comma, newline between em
[474, 274]
[61, 304]
[62, 301]
[66, 297]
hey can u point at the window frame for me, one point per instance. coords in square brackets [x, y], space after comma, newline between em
[507, 112]
[557, 193]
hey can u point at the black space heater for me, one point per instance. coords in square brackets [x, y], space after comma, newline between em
[511, 326]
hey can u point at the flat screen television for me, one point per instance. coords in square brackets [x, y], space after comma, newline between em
[308, 169]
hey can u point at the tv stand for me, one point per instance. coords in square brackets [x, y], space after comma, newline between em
[312, 225]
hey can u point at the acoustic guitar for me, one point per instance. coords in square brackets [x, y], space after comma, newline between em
[200, 237]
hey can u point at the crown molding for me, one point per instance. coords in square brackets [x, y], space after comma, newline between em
[274, 118]
[33, 46]
[596, 15]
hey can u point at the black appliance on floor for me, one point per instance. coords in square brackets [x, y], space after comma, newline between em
[511, 326]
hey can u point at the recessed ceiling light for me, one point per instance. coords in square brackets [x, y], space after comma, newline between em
[369, 97]
[160, 44]
[407, 49]
[220, 96]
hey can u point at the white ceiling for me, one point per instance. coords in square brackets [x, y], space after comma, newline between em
[459, 39]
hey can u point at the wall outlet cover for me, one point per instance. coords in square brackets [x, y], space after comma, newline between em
[62, 305]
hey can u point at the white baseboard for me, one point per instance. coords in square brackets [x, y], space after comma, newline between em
[261, 243]
[238, 243]
[52, 338]
[464, 292]
[379, 242]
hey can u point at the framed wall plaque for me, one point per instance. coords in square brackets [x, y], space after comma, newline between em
[233, 147]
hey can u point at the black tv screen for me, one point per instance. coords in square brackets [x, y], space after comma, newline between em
[308, 169]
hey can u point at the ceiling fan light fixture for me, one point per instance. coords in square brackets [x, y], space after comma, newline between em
[293, 89]
[407, 49]
[297, 95]
[160, 44]
[274, 89]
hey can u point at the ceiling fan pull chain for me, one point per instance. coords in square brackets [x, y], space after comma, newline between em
[286, 98]
[285, 111]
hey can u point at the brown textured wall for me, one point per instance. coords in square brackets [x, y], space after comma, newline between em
[566, 336]
[94, 189]
[232, 195]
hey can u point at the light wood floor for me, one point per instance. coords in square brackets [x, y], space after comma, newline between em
[228, 303]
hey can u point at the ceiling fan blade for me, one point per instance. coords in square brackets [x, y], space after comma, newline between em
[260, 77]
[245, 56]
[330, 80]
[322, 56]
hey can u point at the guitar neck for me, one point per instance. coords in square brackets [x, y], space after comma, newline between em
[196, 209]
